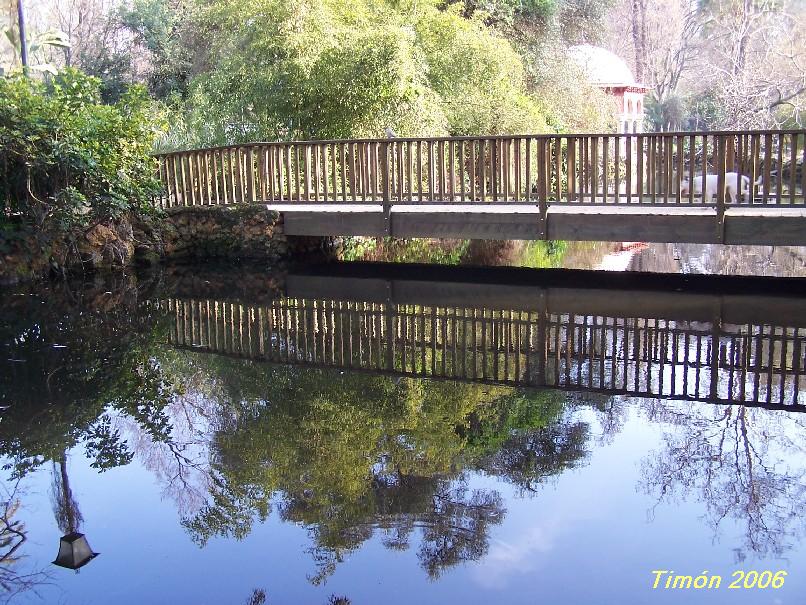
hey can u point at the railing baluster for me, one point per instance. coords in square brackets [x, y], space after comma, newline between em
[250, 174]
[410, 171]
[528, 193]
[793, 165]
[679, 152]
[692, 167]
[558, 169]
[342, 171]
[400, 171]
[802, 171]
[330, 150]
[704, 173]
[167, 162]
[451, 172]
[721, 166]
[605, 167]
[767, 167]
[628, 163]
[473, 171]
[462, 171]
[494, 170]
[430, 171]
[571, 168]
[271, 162]
[639, 148]
[315, 166]
[779, 173]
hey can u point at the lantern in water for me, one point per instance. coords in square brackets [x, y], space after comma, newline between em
[74, 551]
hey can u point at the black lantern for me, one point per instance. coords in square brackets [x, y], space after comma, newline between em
[74, 551]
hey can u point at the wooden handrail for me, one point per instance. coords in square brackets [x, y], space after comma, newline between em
[677, 133]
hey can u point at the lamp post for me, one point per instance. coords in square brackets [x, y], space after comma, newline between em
[23, 41]
[74, 551]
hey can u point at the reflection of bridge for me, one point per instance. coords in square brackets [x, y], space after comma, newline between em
[651, 343]
[624, 187]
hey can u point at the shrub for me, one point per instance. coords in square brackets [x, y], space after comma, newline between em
[67, 160]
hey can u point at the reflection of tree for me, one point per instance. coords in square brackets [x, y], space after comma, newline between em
[349, 455]
[455, 530]
[530, 457]
[744, 464]
[180, 462]
[12, 536]
[68, 358]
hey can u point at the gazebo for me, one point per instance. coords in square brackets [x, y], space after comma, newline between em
[608, 71]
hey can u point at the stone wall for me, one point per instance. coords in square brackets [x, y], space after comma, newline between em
[251, 232]
[215, 232]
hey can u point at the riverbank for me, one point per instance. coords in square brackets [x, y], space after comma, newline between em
[232, 233]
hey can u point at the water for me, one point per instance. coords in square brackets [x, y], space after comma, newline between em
[708, 259]
[222, 434]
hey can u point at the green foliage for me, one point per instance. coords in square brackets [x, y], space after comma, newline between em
[156, 25]
[544, 255]
[71, 360]
[667, 115]
[39, 43]
[583, 21]
[282, 69]
[68, 159]
[479, 77]
[509, 11]
[705, 110]
[417, 250]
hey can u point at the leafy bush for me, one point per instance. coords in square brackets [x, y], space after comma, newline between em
[288, 69]
[66, 159]
[478, 75]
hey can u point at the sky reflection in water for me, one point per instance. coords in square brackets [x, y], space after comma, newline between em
[201, 478]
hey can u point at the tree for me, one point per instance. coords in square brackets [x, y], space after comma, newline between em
[281, 70]
[662, 40]
[24, 46]
[733, 64]
[741, 464]
[754, 61]
[69, 160]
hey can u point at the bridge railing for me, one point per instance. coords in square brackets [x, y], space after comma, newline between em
[643, 168]
[754, 364]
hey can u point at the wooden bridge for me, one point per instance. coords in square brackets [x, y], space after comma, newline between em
[609, 187]
[669, 340]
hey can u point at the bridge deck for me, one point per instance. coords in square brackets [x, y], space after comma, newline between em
[698, 224]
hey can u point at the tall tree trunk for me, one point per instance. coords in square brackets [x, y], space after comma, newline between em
[639, 37]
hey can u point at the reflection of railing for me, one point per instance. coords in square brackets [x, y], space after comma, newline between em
[643, 356]
[538, 169]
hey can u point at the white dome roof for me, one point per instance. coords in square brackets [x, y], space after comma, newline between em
[601, 66]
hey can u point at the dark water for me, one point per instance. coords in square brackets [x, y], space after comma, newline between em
[221, 434]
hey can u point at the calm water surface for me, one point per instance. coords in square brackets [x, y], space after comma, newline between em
[707, 259]
[151, 414]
